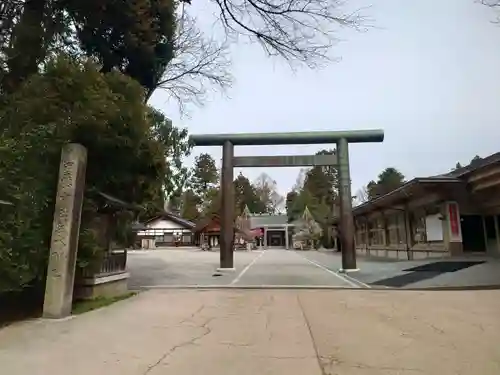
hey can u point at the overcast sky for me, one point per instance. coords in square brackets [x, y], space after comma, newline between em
[428, 75]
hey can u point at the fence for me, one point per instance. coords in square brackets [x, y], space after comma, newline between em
[112, 263]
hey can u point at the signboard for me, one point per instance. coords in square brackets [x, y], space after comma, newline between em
[285, 161]
[434, 228]
[454, 222]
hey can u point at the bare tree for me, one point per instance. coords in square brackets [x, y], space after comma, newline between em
[362, 195]
[297, 30]
[267, 191]
[493, 4]
[199, 63]
[301, 178]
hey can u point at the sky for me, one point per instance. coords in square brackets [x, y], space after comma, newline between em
[427, 74]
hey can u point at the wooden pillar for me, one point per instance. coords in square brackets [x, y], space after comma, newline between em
[408, 233]
[485, 234]
[497, 233]
[286, 238]
[227, 208]
[346, 217]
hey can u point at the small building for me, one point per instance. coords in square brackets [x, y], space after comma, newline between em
[446, 215]
[208, 230]
[167, 229]
[277, 232]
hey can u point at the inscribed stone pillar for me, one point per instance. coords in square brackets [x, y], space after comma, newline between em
[65, 232]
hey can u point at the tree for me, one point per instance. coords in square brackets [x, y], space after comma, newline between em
[199, 62]
[388, 180]
[319, 193]
[135, 38]
[71, 103]
[362, 195]
[190, 207]
[493, 4]
[321, 182]
[475, 159]
[307, 229]
[296, 30]
[266, 189]
[204, 175]
[246, 195]
[142, 38]
[175, 148]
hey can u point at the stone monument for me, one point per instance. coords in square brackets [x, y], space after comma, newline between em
[65, 232]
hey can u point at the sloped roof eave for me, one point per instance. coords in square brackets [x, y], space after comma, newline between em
[379, 201]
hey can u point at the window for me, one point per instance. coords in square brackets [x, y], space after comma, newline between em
[401, 225]
[393, 232]
[418, 226]
[376, 232]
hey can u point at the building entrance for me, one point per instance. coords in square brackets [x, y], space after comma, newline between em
[276, 238]
[472, 233]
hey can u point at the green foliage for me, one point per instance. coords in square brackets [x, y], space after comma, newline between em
[190, 204]
[204, 175]
[388, 180]
[83, 306]
[70, 103]
[246, 195]
[318, 194]
[135, 38]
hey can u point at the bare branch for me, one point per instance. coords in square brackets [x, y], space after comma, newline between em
[297, 30]
[200, 63]
[494, 4]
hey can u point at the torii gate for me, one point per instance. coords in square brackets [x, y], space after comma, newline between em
[341, 159]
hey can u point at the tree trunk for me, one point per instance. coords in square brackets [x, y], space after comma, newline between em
[28, 48]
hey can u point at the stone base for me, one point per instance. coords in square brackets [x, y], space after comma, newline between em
[349, 270]
[102, 286]
[226, 270]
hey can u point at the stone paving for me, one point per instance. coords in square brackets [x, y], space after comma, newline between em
[279, 268]
[278, 332]
[285, 268]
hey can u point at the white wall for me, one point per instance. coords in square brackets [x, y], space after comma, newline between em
[164, 224]
[434, 228]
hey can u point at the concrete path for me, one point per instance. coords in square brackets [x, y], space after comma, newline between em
[278, 332]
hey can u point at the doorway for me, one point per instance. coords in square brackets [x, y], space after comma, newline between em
[275, 238]
[472, 233]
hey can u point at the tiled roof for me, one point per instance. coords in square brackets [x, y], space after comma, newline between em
[257, 221]
[456, 176]
[176, 219]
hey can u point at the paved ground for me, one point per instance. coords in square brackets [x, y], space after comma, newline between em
[390, 273]
[173, 267]
[278, 332]
[284, 268]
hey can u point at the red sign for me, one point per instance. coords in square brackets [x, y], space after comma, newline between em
[454, 220]
[258, 232]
